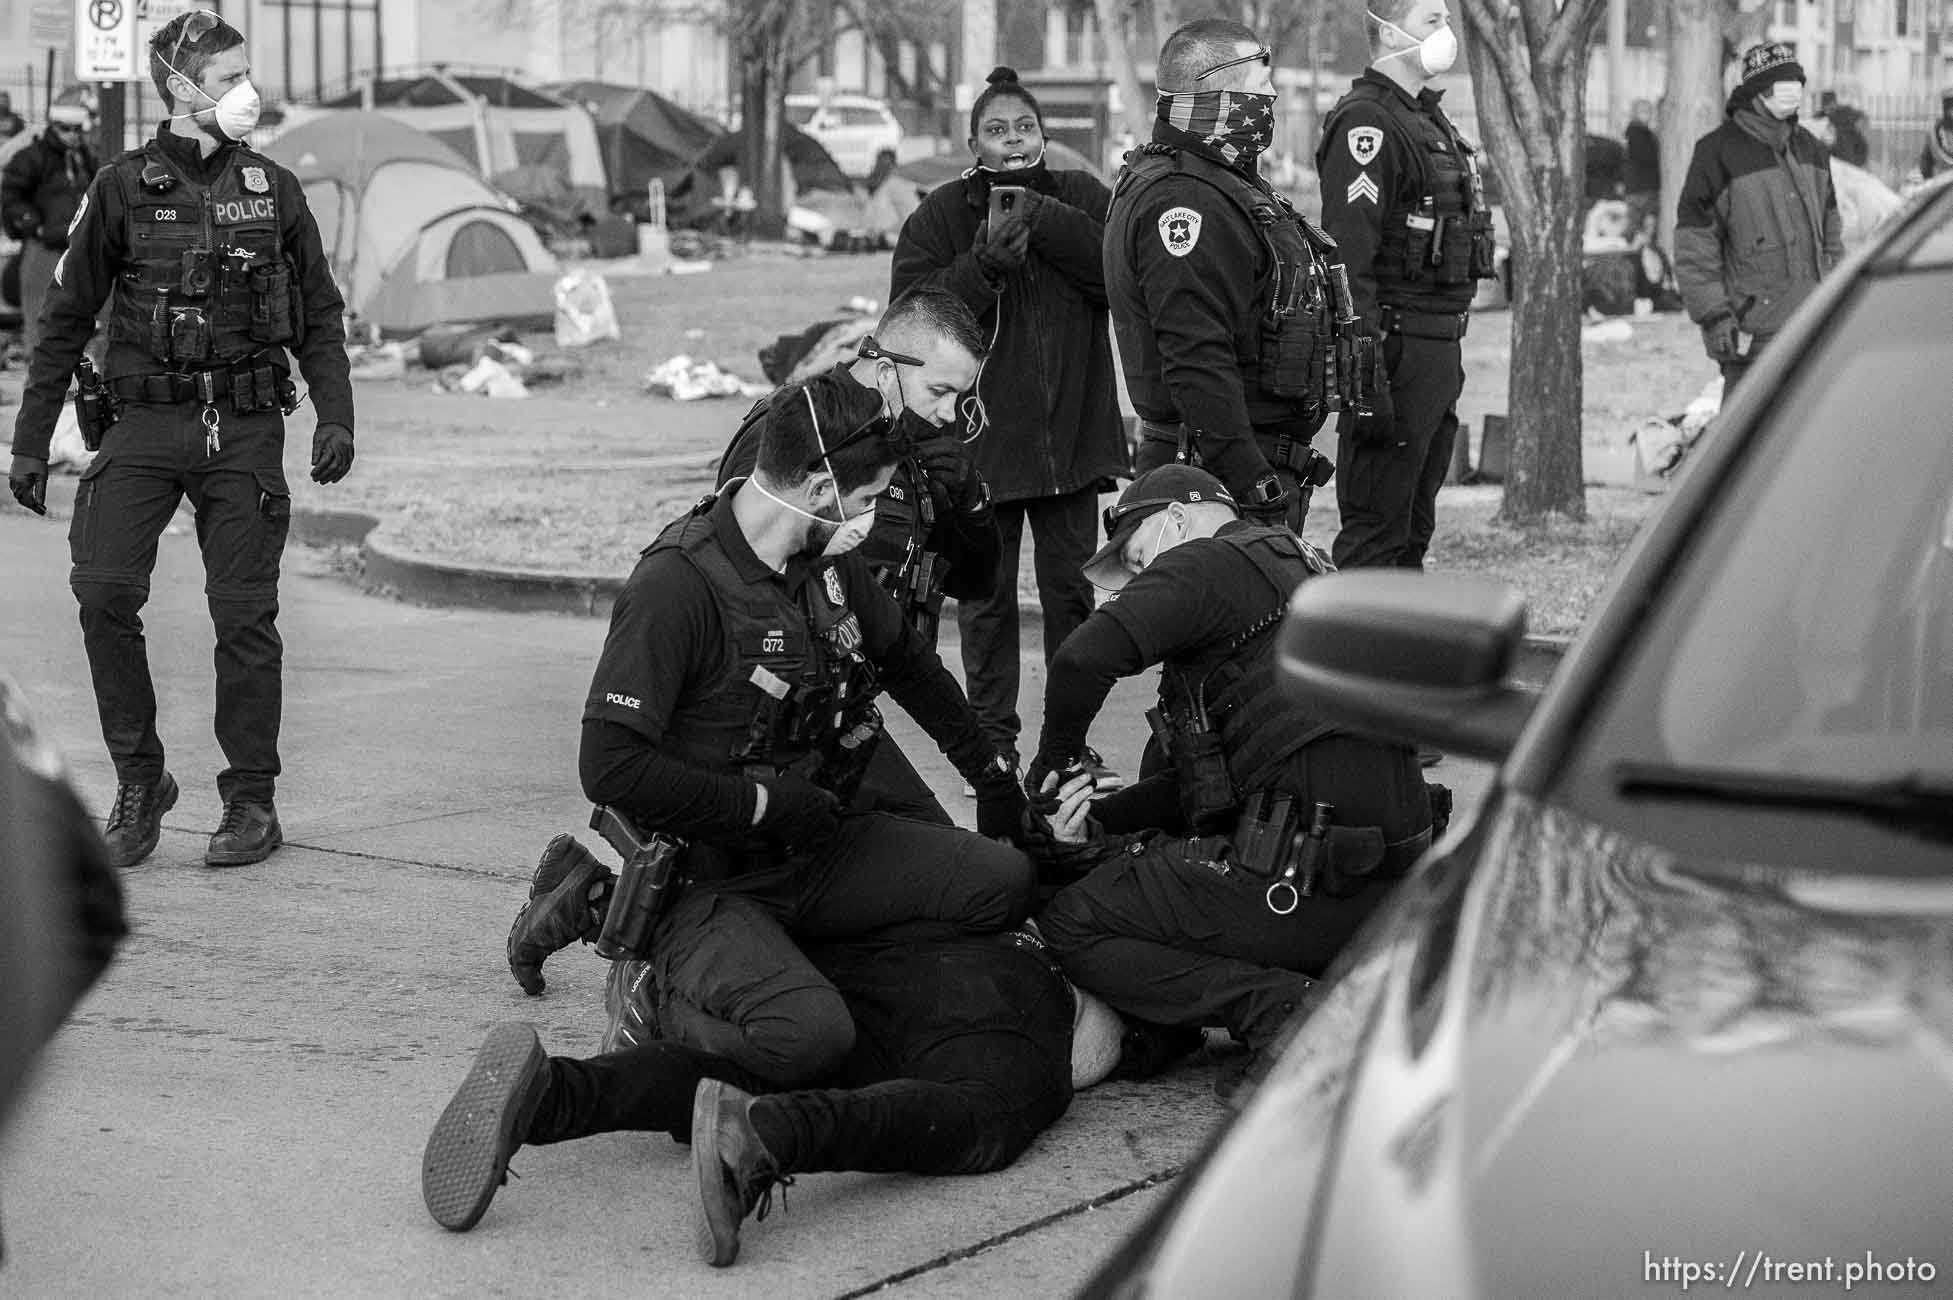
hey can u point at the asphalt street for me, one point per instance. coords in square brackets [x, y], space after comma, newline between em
[239, 1109]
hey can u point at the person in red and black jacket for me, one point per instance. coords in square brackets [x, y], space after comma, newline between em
[1757, 225]
[1055, 439]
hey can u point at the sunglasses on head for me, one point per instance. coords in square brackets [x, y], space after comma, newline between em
[869, 350]
[197, 24]
[1125, 509]
[875, 424]
[1263, 56]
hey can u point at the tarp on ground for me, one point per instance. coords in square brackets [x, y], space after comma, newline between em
[414, 237]
[512, 133]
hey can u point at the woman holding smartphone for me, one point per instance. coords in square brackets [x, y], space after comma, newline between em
[1020, 244]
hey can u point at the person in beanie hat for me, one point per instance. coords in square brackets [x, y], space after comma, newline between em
[1760, 183]
[40, 189]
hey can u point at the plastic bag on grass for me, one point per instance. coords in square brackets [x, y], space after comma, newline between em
[584, 314]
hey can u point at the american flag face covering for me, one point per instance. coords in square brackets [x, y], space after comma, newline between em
[1236, 124]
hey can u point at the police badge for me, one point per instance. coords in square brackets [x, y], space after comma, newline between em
[255, 180]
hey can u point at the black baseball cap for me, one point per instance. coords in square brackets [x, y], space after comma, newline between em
[1144, 497]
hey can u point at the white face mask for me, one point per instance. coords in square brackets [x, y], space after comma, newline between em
[1159, 544]
[236, 113]
[1435, 53]
[850, 532]
[1784, 99]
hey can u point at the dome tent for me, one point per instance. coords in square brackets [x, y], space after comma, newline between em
[414, 237]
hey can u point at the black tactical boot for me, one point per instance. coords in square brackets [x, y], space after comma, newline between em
[248, 833]
[135, 824]
[567, 897]
[467, 1155]
[1149, 1049]
[736, 1173]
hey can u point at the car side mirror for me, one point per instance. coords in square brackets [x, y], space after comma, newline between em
[1422, 658]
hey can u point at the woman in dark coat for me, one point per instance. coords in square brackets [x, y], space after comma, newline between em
[1055, 438]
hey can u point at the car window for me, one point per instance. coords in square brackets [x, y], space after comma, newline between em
[861, 117]
[1809, 630]
[801, 114]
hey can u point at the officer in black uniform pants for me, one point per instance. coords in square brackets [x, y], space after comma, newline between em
[1401, 194]
[963, 1053]
[728, 708]
[1214, 920]
[1218, 287]
[212, 268]
[935, 532]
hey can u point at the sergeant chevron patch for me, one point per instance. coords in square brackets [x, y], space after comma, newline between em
[1362, 188]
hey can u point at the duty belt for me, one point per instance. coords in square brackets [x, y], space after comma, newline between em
[193, 386]
[1291, 453]
[1445, 326]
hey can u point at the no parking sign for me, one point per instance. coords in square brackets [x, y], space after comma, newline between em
[112, 36]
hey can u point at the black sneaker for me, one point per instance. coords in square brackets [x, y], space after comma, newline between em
[248, 833]
[1234, 1084]
[467, 1155]
[1148, 1048]
[736, 1173]
[566, 902]
[135, 824]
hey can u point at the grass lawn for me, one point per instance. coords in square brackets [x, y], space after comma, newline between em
[582, 475]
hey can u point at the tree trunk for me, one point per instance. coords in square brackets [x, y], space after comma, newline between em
[1692, 106]
[1113, 27]
[1529, 74]
[762, 103]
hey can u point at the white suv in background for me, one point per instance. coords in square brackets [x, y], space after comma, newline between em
[856, 129]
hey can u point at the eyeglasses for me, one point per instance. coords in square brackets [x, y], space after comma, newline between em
[1263, 56]
[197, 24]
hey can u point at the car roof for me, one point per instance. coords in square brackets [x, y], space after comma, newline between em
[848, 98]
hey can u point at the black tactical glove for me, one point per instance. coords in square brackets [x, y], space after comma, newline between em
[949, 465]
[1000, 810]
[1002, 250]
[798, 812]
[1379, 426]
[27, 480]
[332, 453]
[1719, 338]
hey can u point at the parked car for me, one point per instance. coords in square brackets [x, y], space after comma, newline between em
[861, 132]
[1676, 1007]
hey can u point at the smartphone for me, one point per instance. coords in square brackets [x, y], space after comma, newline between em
[1003, 201]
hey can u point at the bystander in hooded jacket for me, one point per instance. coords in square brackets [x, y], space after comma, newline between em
[1757, 225]
[43, 183]
[1047, 385]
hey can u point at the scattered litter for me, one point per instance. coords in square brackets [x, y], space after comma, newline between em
[1661, 445]
[65, 448]
[686, 380]
[464, 344]
[491, 378]
[584, 313]
[860, 306]
[377, 361]
[693, 335]
[1608, 331]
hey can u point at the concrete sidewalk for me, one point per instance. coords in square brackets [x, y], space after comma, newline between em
[239, 1110]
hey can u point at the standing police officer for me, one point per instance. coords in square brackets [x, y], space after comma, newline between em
[1219, 290]
[1222, 921]
[213, 271]
[1401, 194]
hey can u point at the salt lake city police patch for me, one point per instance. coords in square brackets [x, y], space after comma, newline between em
[1365, 142]
[255, 180]
[1179, 230]
[834, 592]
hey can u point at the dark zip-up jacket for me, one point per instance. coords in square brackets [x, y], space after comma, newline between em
[1048, 384]
[1757, 225]
[41, 188]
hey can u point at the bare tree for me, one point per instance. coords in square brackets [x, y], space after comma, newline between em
[770, 39]
[1529, 77]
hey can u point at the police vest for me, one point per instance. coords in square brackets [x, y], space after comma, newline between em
[1433, 252]
[795, 681]
[207, 281]
[1232, 683]
[1291, 356]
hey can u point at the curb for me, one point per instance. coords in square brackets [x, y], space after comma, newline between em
[426, 580]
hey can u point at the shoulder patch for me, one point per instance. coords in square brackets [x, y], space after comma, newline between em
[835, 594]
[1365, 143]
[1179, 230]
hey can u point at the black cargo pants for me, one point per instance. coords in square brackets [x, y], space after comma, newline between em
[1387, 490]
[152, 458]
